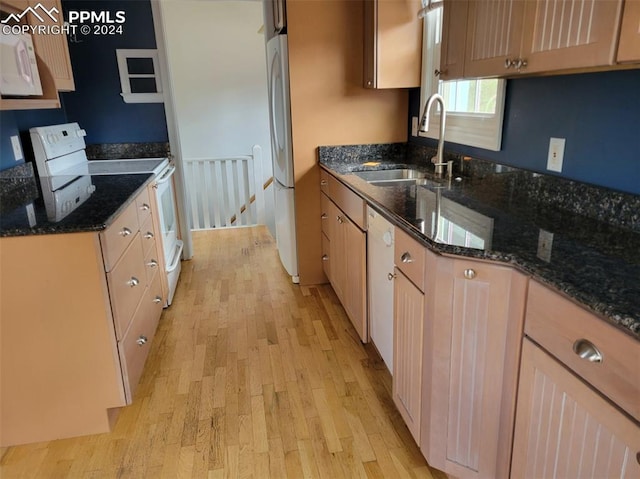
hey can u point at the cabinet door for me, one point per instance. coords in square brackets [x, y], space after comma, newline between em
[566, 429]
[494, 34]
[337, 241]
[563, 35]
[392, 44]
[474, 347]
[408, 305]
[53, 49]
[355, 285]
[454, 36]
[629, 46]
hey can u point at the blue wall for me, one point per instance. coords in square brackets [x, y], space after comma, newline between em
[597, 113]
[96, 103]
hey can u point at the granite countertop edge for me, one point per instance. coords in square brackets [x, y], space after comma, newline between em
[608, 312]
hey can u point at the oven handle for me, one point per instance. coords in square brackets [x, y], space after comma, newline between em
[167, 175]
[177, 253]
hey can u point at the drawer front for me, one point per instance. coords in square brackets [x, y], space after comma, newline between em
[147, 233]
[118, 236]
[151, 263]
[559, 326]
[325, 212]
[134, 347]
[348, 201]
[143, 206]
[324, 181]
[127, 282]
[409, 257]
[326, 259]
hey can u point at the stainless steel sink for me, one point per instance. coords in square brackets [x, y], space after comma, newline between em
[393, 177]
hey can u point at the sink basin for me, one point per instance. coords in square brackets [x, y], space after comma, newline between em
[393, 177]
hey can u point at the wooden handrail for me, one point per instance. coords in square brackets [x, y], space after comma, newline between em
[252, 200]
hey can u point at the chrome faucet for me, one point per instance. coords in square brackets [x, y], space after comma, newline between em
[437, 160]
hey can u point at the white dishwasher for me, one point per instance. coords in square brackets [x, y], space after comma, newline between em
[380, 237]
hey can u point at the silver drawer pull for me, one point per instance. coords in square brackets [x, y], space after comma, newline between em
[406, 257]
[587, 350]
[323, 216]
[391, 276]
[469, 273]
[323, 182]
[152, 264]
[340, 219]
[142, 340]
[157, 299]
[133, 281]
[148, 235]
[325, 257]
[125, 231]
[145, 207]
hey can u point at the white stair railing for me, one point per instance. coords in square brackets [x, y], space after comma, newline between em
[225, 192]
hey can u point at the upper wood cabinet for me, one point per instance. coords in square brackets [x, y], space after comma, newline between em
[392, 44]
[629, 46]
[472, 342]
[52, 54]
[509, 37]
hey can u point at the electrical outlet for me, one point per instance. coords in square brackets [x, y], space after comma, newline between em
[17, 148]
[556, 154]
[414, 126]
[545, 244]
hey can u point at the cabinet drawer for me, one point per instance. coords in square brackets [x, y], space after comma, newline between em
[143, 206]
[326, 259]
[558, 325]
[409, 257]
[147, 234]
[118, 236]
[134, 347]
[127, 282]
[348, 201]
[324, 181]
[151, 263]
[325, 211]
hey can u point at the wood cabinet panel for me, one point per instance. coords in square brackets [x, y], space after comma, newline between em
[557, 324]
[355, 291]
[566, 429]
[473, 349]
[143, 206]
[348, 201]
[409, 257]
[454, 31]
[408, 317]
[629, 45]
[118, 236]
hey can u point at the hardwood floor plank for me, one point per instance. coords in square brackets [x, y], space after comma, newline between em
[248, 375]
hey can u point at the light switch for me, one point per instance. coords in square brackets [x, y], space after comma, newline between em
[17, 148]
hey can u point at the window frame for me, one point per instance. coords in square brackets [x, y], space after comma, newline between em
[470, 129]
[122, 55]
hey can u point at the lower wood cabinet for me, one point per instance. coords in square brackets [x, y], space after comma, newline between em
[472, 345]
[566, 429]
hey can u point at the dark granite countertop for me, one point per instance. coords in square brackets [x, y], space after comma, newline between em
[595, 248]
[23, 212]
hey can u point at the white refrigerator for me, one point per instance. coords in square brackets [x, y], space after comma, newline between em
[282, 153]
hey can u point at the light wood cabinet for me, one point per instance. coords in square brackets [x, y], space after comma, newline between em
[566, 429]
[629, 45]
[52, 54]
[74, 342]
[472, 346]
[454, 37]
[345, 264]
[392, 44]
[509, 37]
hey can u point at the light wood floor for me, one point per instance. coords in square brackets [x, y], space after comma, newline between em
[248, 376]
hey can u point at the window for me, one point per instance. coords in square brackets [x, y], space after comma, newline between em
[139, 76]
[474, 107]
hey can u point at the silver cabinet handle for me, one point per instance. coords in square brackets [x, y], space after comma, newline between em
[133, 281]
[439, 72]
[325, 257]
[587, 350]
[157, 299]
[141, 340]
[470, 273]
[324, 216]
[406, 257]
[125, 231]
[520, 63]
[391, 276]
[145, 207]
[152, 264]
[323, 182]
[148, 235]
[340, 219]
[508, 63]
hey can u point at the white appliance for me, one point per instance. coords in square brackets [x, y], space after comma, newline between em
[282, 153]
[18, 66]
[380, 240]
[65, 177]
